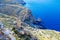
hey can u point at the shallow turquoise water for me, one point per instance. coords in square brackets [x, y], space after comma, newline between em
[47, 10]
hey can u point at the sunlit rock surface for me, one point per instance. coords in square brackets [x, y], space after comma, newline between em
[18, 23]
[41, 34]
[27, 32]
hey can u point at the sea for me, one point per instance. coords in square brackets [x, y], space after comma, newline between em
[47, 10]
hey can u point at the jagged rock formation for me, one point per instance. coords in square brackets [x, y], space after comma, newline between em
[19, 19]
[18, 11]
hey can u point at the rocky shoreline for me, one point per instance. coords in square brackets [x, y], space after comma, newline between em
[18, 23]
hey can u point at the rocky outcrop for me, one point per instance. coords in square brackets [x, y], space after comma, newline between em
[18, 11]
[16, 2]
[14, 10]
[19, 20]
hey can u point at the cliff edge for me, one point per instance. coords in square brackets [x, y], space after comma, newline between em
[18, 23]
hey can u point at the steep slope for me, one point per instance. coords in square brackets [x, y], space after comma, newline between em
[17, 2]
[12, 14]
[27, 32]
[20, 12]
[41, 34]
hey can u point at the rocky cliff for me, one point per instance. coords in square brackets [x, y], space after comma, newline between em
[24, 14]
[21, 22]
[16, 2]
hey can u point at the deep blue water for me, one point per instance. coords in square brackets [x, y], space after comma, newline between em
[47, 10]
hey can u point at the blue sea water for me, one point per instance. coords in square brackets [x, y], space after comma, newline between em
[47, 10]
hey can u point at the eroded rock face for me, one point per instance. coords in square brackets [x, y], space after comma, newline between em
[26, 15]
[10, 8]
[15, 10]
[12, 2]
[19, 11]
